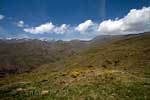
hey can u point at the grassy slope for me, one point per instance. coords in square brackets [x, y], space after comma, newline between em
[119, 70]
[131, 52]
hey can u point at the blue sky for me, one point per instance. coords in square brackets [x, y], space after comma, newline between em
[72, 19]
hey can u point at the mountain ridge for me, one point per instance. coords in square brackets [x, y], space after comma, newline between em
[23, 55]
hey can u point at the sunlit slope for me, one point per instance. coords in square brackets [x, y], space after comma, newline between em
[129, 52]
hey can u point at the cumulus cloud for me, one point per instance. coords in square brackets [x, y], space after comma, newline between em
[44, 28]
[134, 22]
[20, 23]
[48, 28]
[2, 17]
[62, 29]
[83, 27]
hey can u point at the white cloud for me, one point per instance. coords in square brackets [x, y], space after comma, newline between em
[83, 27]
[134, 22]
[20, 23]
[44, 28]
[62, 29]
[2, 17]
[110, 26]
[48, 28]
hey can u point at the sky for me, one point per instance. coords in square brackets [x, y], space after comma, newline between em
[72, 19]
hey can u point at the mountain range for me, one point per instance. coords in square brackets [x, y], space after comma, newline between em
[108, 67]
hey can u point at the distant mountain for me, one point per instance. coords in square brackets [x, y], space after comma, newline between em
[20, 55]
[23, 55]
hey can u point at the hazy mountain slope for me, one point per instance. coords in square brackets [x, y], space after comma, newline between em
[24, 55]
[18, 56]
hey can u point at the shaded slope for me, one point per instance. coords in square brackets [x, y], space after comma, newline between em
[18, 56]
